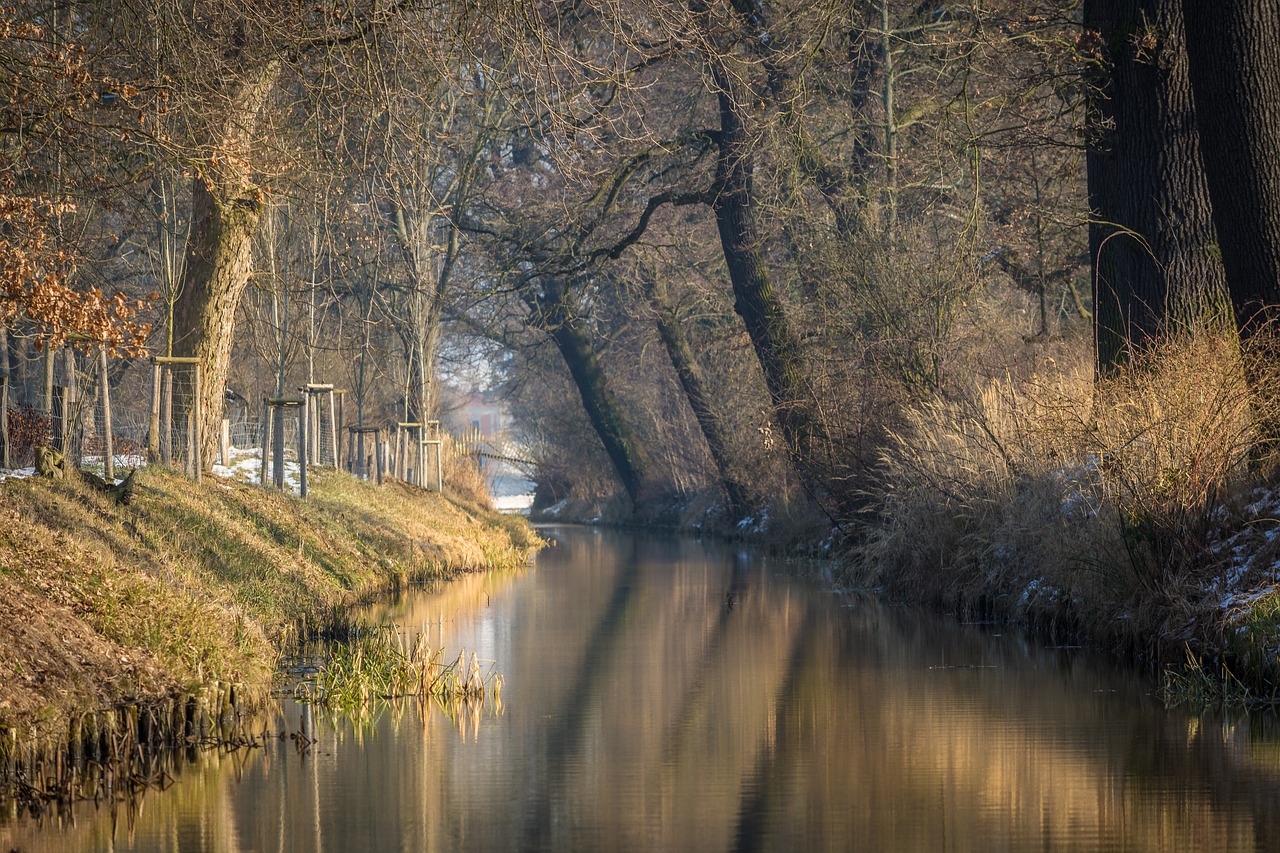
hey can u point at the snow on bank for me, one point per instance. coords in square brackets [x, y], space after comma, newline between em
[1253, 572]
[245, 465]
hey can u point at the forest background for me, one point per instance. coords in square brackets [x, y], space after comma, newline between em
[986, 286]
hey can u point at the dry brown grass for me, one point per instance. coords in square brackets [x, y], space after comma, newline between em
[196, 582]
[1101, 507]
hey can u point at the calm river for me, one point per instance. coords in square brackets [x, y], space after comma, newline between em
[666, 694]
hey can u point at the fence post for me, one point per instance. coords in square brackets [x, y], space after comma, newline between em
[166, 417]
[70, 406]
[6, 454]
[277, 449]
[224, 442]
[266, 439]
[303, 434]
[333, 431]
[153, 425]
[195, 450]
[108, 449]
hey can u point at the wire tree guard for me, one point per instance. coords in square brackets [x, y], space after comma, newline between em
[273, 440]
[432, 457]
[176, 414]
[358, 458]
[322, 424]
[409, 453]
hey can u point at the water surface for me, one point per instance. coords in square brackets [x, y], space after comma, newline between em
[666, 694]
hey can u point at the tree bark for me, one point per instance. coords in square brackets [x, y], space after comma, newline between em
[225, 209]
[219, 262]
[630, 461]
[1151, 237]
[755, 299]
[691, 380]
[1235, 75]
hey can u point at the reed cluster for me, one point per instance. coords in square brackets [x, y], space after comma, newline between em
[1136, 511]
[382, 663]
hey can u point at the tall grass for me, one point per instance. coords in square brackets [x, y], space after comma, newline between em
[1114, 509]
[380, 664]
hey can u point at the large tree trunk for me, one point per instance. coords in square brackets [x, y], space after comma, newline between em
[691, 380]
[1151, 236]
[762, 311]
[219, 262]
[630, 461]
[225, 208]
[1235, 75]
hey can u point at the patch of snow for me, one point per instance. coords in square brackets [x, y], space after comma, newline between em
[513, 503]
[245, 465]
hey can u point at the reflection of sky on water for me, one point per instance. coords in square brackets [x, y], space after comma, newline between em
[665, 694]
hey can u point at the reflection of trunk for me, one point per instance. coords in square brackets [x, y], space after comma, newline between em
[603, 409]
[225, 206]
[755, 300]
[1152, 238]
[690, 374]
[1235, 75]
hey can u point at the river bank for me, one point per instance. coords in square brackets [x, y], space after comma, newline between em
[197, 583]
[1137, 513]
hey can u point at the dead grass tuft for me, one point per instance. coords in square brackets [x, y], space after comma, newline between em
[1111, 509]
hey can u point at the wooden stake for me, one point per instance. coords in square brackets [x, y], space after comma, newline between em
[104, 393]
[153, 425]
[266, 439]
[303, 434]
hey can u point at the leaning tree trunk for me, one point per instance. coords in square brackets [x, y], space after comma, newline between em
[1235, 75]
[691, 380]
[225, 208]
[756, 302]
[621, 444]
[1151, 235]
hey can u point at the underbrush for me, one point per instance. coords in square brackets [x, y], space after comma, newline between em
[1135, 512]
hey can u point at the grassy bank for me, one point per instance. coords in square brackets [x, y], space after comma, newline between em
[1139, 513]
[196, 583]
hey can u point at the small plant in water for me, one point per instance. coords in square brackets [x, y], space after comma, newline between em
[381, 664]
[1192, 686]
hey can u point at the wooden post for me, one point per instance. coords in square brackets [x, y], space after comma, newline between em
[339, 398]
[277, 448]
[304, 432]
[379, 453]
[224, 442]
[6, 456]
[166, 417]
[333, 431]
[195, 450]
[104, 393]
[362, 466]
[6, 451]
[70, 406]
[58, 428]
[266, 439]
[49, 384]
[401, 436]
[188, 458]
[153, 425]
[429, 447]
